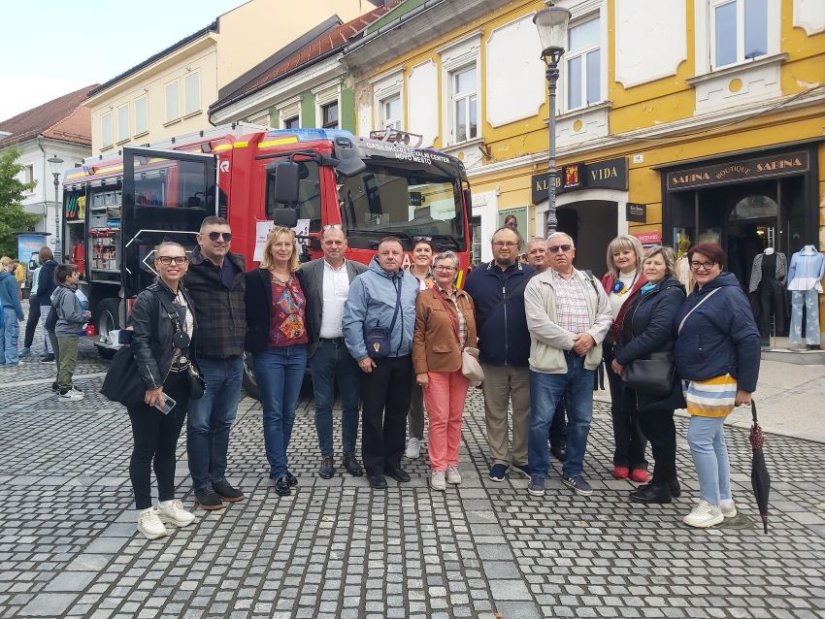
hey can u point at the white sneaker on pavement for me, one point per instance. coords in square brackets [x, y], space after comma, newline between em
[413, 448]
[437, 481]
[453, 476]
[728, 508]
[150, 524]
[72, 395]
[172, 512]
[704, 515]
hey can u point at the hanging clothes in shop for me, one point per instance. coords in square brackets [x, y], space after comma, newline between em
[767, 290]
[804, 277]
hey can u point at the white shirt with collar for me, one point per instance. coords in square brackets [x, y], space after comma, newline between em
[334, 294]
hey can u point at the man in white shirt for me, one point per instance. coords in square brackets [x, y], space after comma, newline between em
[325, 283]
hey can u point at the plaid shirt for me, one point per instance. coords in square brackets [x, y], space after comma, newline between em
[220, 311]
[571, 305]
[462, 321]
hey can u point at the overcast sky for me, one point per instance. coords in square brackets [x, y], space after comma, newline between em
[49, 48]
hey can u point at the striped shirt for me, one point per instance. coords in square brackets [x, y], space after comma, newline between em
[714, 397]
[462, 321]
[571, 304]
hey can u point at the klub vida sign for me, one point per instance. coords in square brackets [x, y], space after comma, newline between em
[608, 174]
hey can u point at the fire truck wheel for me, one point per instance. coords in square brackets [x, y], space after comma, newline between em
[107, 321]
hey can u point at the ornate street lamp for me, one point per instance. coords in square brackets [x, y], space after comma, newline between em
[551, 24]
[55, 162]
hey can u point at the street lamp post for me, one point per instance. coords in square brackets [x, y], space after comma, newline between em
[56, 161]
[551, 24]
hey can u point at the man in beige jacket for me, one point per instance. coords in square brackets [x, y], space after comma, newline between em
[568, 316]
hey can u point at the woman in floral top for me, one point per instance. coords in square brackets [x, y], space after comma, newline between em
[277, 339]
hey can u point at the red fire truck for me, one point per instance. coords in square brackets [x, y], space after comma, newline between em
[116, 210]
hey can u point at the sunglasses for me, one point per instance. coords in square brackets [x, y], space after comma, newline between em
[332, 227]
[217, 236]
[167, 260]
[554, 249]
[416, 239]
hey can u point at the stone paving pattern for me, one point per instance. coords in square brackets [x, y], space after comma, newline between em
[335, 548]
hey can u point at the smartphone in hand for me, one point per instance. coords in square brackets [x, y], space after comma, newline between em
[168, 404]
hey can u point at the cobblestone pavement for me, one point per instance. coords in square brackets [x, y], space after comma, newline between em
[335, 548]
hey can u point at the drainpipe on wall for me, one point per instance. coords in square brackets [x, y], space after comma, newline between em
[45, 199]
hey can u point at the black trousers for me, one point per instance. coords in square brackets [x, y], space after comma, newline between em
[31, 321]
[628, 438]
[385, 398]
[660, 430]
[156, 438]
[771, 296]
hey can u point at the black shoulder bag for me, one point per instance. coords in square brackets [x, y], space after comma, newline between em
[378, 338]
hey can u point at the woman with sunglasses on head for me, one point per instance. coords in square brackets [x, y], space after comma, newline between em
[623, 278]
[444, 327]
[161, 342]
[277, 338]
[647, 327]
[717, 352]
[422, 268]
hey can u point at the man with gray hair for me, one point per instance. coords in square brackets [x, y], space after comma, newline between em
[568, 316]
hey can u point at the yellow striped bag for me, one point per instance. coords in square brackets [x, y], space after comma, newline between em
[715, 397]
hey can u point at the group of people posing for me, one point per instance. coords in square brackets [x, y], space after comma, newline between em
[392, 341]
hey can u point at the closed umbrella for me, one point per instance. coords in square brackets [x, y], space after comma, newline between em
[760, 479]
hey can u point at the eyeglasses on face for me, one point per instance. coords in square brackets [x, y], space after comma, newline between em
[505, 243]
[554, 249]
[444, 267]
[696, 265]
[217, 236]
[167, 260]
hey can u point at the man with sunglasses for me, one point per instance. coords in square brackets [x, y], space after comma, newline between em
[497, 290]
[326, 282]
[568, 315]
[216, 283]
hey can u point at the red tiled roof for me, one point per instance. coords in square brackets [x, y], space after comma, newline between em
[64, 118]
[329, 41]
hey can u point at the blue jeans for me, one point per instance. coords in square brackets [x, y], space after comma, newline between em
[10, 333]
[706, 437]
[545, 392]
[210, 419]
[332, 362]
[810, 299]
[279, 371]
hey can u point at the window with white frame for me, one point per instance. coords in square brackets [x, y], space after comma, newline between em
[329, 115]
[141, 116]
[293, 122]
[27, 176]
[583, 64]
[172, 101]
[289, 113]
[191, 93]
[464, 98]
[390, 112]
[739, 31]
[123, 123]
[106, 129]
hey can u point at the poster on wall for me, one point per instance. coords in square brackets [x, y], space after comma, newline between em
[648, 239]
[262, 229]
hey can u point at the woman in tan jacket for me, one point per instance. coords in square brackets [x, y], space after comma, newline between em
[444, 326]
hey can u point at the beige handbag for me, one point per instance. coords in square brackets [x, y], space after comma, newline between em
[470, 366]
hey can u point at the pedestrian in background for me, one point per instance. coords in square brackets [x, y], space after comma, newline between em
[647, 327]
[444, 328]
[623, 278]
[164, 369]
[497, 290]
[326, 283]
[277, 338]
[34, 314]
[422, 269]
[717, 351]
[45, 287]
[12, 313]
[70, 319]
[19, 274]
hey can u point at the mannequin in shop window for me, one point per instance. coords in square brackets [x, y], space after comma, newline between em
[767, 289]
[804, 282]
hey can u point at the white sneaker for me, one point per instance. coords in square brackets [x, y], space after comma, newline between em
[150, 525]
[453, 476]
[172, 512]
[72, 395]
[704, 515]
[728, 508]
[437, 481]
[413, 448]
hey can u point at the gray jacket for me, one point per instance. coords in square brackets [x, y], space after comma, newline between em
[70, 315]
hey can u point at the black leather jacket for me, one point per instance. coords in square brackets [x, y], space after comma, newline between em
[153, 332]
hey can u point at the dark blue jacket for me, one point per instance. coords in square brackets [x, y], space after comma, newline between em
[648, 322]
[720, 337]
[45, 282]
[503, 338]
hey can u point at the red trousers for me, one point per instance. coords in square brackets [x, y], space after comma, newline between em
[444, 398]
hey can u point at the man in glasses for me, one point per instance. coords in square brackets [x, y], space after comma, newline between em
[568, 316]
[326, 283]
[538, 259]
[497, 290]
[216, 283]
